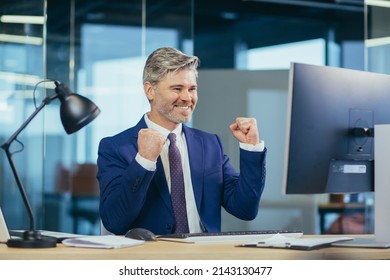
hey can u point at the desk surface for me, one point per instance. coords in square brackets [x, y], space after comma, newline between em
[163, 250]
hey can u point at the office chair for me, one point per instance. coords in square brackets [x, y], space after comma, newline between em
[84, 196]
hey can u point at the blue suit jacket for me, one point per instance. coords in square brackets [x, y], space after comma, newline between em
[131, 196]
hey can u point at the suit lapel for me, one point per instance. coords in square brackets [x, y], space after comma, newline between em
[196, 158]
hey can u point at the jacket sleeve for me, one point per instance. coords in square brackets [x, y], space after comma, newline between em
[123, 185]
[242, 195]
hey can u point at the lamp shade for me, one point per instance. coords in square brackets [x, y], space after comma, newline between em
[76, 111]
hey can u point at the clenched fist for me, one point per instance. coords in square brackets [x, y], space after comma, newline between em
[150, 143]
[245, 130]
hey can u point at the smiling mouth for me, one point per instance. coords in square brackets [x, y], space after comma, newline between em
[183, 107]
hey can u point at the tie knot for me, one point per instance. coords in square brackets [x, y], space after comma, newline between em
[172, 137]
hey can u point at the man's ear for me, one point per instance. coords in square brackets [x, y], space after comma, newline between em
[149, 91]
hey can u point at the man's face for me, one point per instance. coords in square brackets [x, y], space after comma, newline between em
[173, 99]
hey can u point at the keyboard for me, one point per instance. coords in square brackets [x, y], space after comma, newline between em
[227, 236]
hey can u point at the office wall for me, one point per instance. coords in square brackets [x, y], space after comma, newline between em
[227, 94]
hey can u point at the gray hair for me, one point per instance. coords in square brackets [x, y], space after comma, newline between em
[165, 60]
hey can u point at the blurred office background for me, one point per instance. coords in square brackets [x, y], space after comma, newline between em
[98, 49]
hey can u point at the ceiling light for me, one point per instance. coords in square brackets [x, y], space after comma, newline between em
[379, 3]
[22, 19]
[377, 42]
[21, 39]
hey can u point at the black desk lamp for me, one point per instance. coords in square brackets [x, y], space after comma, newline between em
[76, 111]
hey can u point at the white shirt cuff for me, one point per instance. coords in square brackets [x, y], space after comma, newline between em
[259, 147]
[145, 163]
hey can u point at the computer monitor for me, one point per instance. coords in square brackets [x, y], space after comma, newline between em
[330, 130]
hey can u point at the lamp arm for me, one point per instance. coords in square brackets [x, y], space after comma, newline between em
[6, 147]
[21, 189]
[45, 101]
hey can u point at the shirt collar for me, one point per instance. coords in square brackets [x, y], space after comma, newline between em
[178, 130]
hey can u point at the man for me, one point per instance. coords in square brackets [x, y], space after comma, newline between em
[134, 169]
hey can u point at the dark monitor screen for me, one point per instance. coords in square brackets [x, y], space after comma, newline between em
[332, 112]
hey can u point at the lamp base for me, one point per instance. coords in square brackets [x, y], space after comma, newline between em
[33, 239]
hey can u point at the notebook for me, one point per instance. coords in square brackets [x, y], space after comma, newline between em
[307, 243]
[363, 243]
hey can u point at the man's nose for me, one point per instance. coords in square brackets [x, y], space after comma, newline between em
[185, 95]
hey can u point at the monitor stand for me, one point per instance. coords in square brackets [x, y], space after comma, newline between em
[382, 193]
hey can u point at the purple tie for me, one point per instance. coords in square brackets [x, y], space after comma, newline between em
[177, 186]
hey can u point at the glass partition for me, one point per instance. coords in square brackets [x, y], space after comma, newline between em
[97, 48]
[22, 48]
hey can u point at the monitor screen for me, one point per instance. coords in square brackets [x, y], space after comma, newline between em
[331, 116]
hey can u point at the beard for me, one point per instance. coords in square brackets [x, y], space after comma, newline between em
[172, 115]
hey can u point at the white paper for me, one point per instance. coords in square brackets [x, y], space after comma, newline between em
[103, 241]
